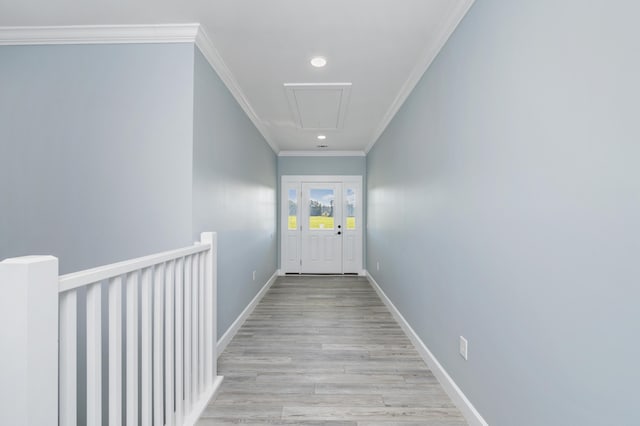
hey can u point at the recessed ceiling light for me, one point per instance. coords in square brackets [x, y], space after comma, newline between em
[321, 137]
[318, 62]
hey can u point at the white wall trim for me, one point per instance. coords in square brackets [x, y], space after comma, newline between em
[321, 154]
[458, 12]
[210, 52]
[99, 34]
[235, 326]
[202, 403]
[451, 388]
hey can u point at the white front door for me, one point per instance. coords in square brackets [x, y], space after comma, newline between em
[321, 228]
[321, 224]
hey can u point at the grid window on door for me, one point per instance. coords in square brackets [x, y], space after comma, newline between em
[350, 208]
[293, 210]
[321, 203]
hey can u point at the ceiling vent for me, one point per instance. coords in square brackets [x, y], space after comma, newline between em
[318, 106]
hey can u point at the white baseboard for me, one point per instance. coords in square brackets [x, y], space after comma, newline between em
[233, 329]
[451, 388]
[202, 403]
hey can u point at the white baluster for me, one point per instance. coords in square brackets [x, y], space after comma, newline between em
[158, 350]
[201, 324]
[146, 330]
[94, 354]
[187, 333]
[132, 349]
[169, 298]
[195, 274]
[115, 351]
[68, 375]
[179, 340]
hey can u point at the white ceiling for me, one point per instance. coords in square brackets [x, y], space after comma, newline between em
[381, 47]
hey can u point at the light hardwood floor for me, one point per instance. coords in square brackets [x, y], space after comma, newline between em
[326, 351]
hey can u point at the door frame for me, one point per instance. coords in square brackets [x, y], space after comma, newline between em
[291, 265]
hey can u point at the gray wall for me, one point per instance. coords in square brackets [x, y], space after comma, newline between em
[234, 193]
[504, 201]
[95, 151]
[321, 166]
[95, 156]
[338, 166]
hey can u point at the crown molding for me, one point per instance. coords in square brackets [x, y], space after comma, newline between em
[321, 154]
[99, 34]
[211, 54]
[426, 59]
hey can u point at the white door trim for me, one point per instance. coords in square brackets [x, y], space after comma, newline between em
[290, 262]
[322, 178]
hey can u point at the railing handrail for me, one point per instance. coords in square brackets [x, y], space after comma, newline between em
[82, 278]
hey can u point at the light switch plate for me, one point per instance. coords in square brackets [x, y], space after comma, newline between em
[464, 348]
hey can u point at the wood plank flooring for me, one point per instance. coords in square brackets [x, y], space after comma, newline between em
[326, 351]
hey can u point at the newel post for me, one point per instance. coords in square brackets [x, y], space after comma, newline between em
[29, 341]
[211, 303]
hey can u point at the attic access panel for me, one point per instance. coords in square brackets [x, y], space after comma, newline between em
[318, 106]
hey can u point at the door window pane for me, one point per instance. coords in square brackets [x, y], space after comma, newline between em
[321, 208]
[350, 208]
[293, 210]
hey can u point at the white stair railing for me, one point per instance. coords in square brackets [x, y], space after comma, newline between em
[167, 305]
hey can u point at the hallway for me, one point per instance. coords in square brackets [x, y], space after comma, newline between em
[325, 350]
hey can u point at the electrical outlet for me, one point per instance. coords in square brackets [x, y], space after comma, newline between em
[464, 345]
[254, 275]
[377, 266]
